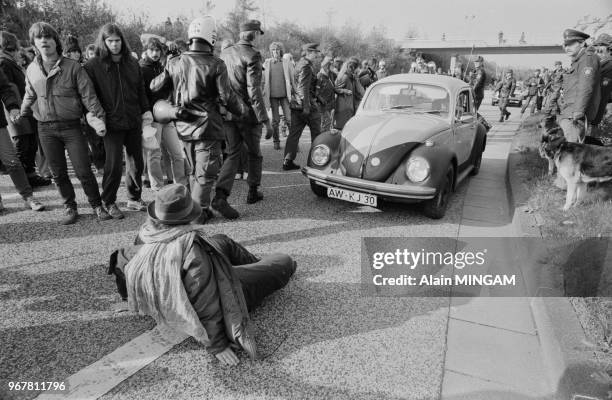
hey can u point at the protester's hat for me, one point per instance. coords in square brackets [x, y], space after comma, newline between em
[572, 35]
[311, 47]
[327, 60]
[173, 205]
[479, 59]
[251, 25]
[603, 40]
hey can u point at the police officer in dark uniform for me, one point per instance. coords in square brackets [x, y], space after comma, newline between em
[579, 99]
[478, 83]
[603, 46]
[553, 90]
[534, 84]
[505, 89]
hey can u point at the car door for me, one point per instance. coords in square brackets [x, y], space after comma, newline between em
[464, 125]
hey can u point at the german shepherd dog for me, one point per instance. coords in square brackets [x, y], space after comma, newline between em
[577, 163]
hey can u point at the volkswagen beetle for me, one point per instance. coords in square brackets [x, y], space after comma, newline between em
[414, 138]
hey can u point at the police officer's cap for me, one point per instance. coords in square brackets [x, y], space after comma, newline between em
[603, 40]
[572, 35]
[251, 25]
[311, 47]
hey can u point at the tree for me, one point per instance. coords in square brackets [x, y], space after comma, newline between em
[238, 16]
[594, 25]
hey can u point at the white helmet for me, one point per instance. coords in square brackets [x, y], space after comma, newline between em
[203, 28]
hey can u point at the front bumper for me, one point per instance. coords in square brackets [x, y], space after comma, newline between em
[384, 190]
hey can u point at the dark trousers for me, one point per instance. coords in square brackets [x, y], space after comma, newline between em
[298, 123]
[274, 104]
[26, 147]
[477, 102]
[97, 154]
[8, 157]
[55, 139]
[204, 159]
[114, 142]
[237, 135]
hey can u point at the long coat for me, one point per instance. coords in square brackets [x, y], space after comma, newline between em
[346, 104]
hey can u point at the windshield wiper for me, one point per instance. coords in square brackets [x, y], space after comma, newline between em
[399, 107]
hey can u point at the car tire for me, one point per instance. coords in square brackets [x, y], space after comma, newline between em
[320, 191]
[476, 162]
[436, 207]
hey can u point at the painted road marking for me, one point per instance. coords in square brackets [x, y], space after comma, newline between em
[103, 375]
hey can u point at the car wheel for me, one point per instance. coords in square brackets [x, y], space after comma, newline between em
[436, 207]
[476, 163]
[320, 191]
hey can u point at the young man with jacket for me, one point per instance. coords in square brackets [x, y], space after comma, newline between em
[209, 283]
[304, 107]
[56, 90]
[244, 66]
[166, 135]
[119, 85]
[203, 92]
[23, 133]
[277, 88]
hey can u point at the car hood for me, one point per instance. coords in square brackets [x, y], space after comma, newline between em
[387, 136]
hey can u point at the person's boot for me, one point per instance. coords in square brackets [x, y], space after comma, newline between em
[254, 195]
[507, 115]
[501, 118]
[102, 214]
[289, 165]
[221, 205]
[70, 216]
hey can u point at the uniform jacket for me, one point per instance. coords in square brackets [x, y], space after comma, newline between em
[287, 70]
[121, 91]
[60, 95]
[244, 67]
[534, 85]
[210, 282]
[580, 90]
[198, 80]
[553, 86]
[150, 69]
[605, 89]
[305, 95]
[7, 95]
[506, 88]
[478, 83]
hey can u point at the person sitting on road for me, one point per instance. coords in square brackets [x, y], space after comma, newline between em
[195, 283]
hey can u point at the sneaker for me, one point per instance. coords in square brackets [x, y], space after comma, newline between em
[206, 216]
[70, 216]
[34, 204]
[238, 176]
[102, 214]
[254, 195]
[289, 165]
[248, 345]
[37, 181]
[221, 205]
[136, 205]
[276, 146]
[114, 211]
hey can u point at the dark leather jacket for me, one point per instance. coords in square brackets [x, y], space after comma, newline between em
[305, 87]
[120, 88]
[244, 67]
[580, 90]
[150, 69]
[199, 80]
[7, 96]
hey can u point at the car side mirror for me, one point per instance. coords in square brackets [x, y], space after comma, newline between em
[466, 119]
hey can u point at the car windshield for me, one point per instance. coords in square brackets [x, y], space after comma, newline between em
[412, 97]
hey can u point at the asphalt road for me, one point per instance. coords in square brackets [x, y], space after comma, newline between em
[320, 337]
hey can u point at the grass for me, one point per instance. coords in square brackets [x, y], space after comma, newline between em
[591, 219]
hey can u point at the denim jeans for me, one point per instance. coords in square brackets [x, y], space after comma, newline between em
[56, 138]
[238, 135]
[204, 158]
[170, 143]
[114, 141]
[8, 156]
[275, 103]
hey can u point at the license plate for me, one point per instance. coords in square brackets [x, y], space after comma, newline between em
[353, 197]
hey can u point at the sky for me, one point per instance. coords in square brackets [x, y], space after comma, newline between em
[541, 20]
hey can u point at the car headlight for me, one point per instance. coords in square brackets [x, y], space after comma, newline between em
[417, 169]
[320, 155]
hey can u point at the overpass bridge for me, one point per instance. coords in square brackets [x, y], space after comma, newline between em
[480, 47]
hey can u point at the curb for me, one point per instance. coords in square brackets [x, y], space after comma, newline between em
[567, 359]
